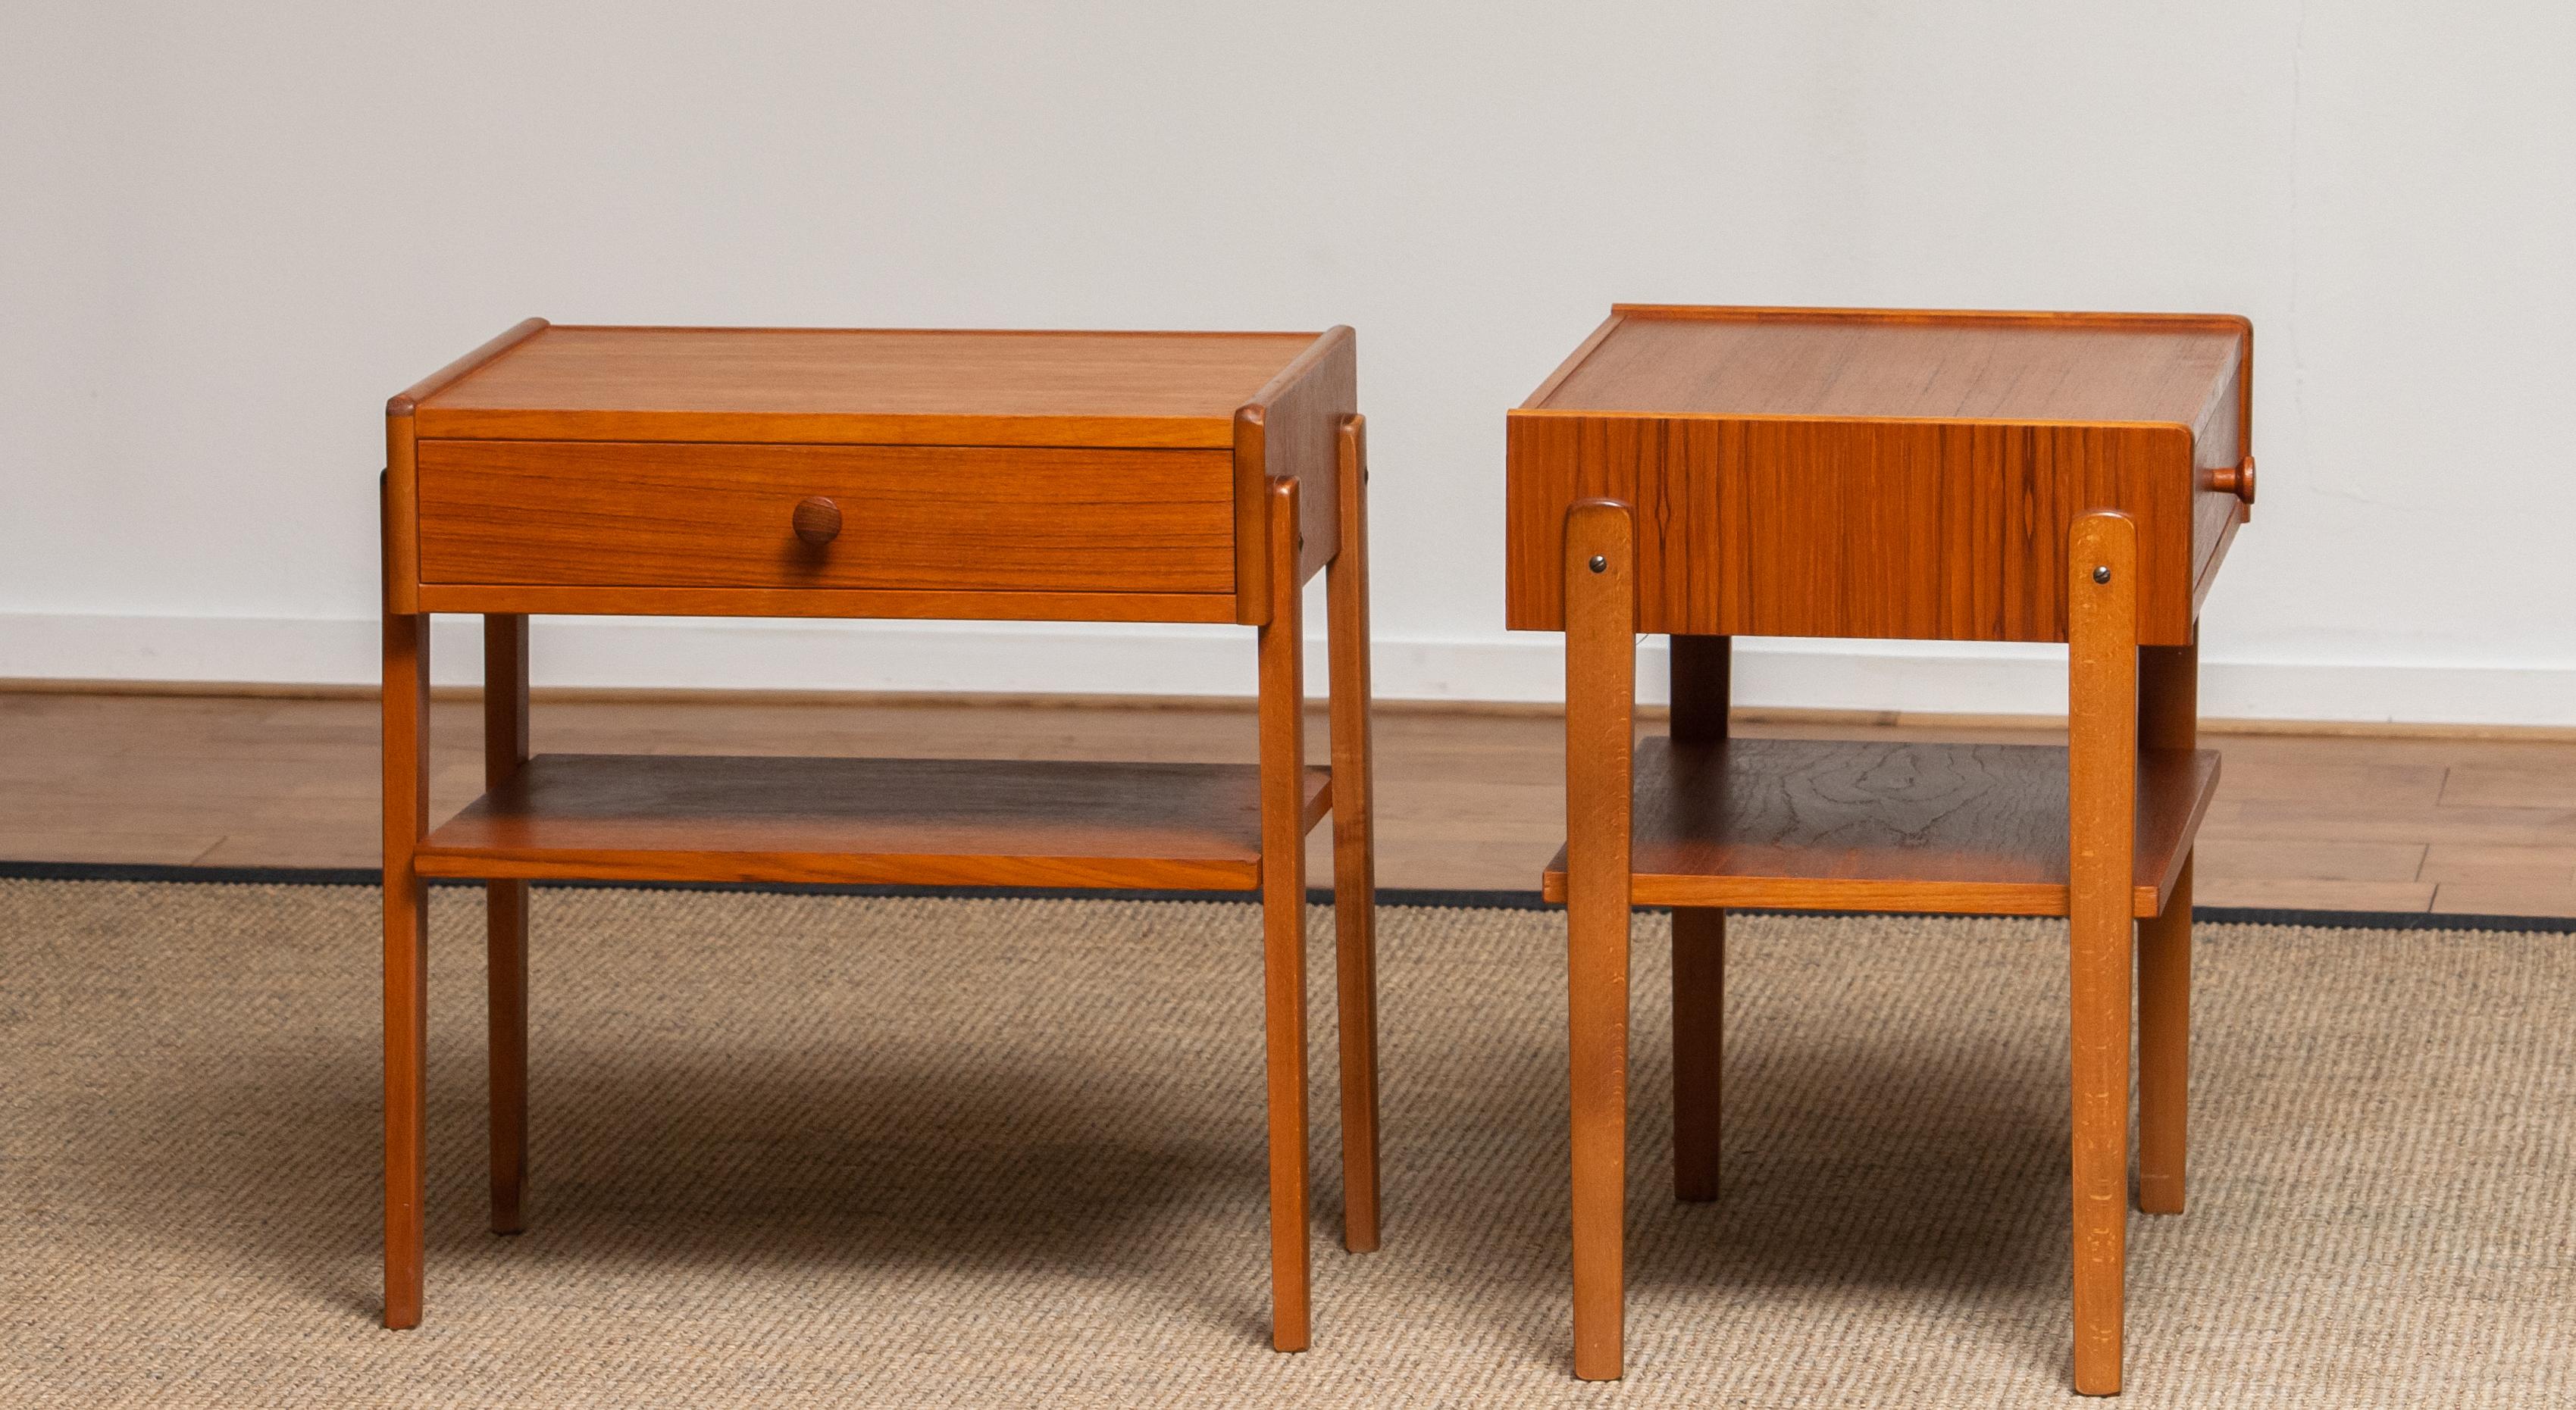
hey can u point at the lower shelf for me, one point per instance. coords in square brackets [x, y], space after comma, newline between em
[1803, 824]
[930, 822]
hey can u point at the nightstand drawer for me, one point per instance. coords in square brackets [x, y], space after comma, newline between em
[942, 518]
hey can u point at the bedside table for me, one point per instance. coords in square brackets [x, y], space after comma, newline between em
[1130, 477]
[1722, 472]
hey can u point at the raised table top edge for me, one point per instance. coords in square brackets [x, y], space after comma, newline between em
[1790, 313]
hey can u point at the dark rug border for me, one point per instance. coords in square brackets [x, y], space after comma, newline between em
[1386, 896]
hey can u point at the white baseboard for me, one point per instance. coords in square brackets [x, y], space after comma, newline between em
[1011, 657]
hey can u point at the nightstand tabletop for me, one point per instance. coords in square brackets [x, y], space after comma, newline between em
[1827, 363]
[877, 386]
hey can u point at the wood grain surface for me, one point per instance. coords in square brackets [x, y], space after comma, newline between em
[2168, 714]
[405, 402]
[1354, 864]
[1923, 530]
[1290, 430]
[1283, 925]
[885, 386]
[404, 760]
[914, 518]
[1700, 671]
[956, 605]
[402, 433]
[1721, 361]
[1815, 824]
[505, 752]
[2103, 838]
[962, 822]
[1600, 703]
[1882, 473]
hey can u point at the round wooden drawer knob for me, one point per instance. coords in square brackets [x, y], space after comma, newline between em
[2237, 480]
[818, 520]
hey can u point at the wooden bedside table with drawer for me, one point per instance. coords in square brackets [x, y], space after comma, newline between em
[1141, 477]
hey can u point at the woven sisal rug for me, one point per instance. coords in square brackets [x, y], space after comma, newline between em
[797, 1150]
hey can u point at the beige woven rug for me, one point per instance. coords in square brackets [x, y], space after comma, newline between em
[823, 1151]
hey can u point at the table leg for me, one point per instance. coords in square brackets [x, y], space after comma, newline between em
[505, 748]
[2102, 766]
[1700, 670]
[406, 821]
[1283, 921]
[1354, 851]
[1600, 700]
[2168, 711]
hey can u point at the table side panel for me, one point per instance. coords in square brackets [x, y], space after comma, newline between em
[1292, 430]
[1924, 530]
[916, 518]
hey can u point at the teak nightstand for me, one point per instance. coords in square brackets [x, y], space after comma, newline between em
[1138, 477]
[1722, 472]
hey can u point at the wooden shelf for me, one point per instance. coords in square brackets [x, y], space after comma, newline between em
[1836, 825]
[941, 822]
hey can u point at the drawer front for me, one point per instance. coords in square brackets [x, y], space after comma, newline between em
[928, 518]
[1923, 530]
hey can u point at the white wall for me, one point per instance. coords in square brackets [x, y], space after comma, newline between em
[228, 232]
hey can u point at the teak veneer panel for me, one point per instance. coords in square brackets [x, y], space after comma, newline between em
[1922, 530]
[1881, 474]
[880, 386]
[1882, 825]
[1292, 431]
[682, 515]
[1929, 365]
[944, 822]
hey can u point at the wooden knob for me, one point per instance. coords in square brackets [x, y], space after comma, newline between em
[2237, 480]
[818, 520]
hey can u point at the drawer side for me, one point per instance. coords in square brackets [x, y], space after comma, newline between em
[2222, 440]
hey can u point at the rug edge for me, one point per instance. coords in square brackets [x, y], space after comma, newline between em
[1436, 898]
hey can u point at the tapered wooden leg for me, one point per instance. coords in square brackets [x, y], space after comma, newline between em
[505, 748]
[2168, 711]
[2164, 1050]
[1700, 671]
[2102, 742]
[1283, 923]
[406, 821]
[1354, 851]
[1600, 701]
[1699, 1047]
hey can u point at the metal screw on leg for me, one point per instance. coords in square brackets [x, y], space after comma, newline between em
[2102, 574]
[1600, 563]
